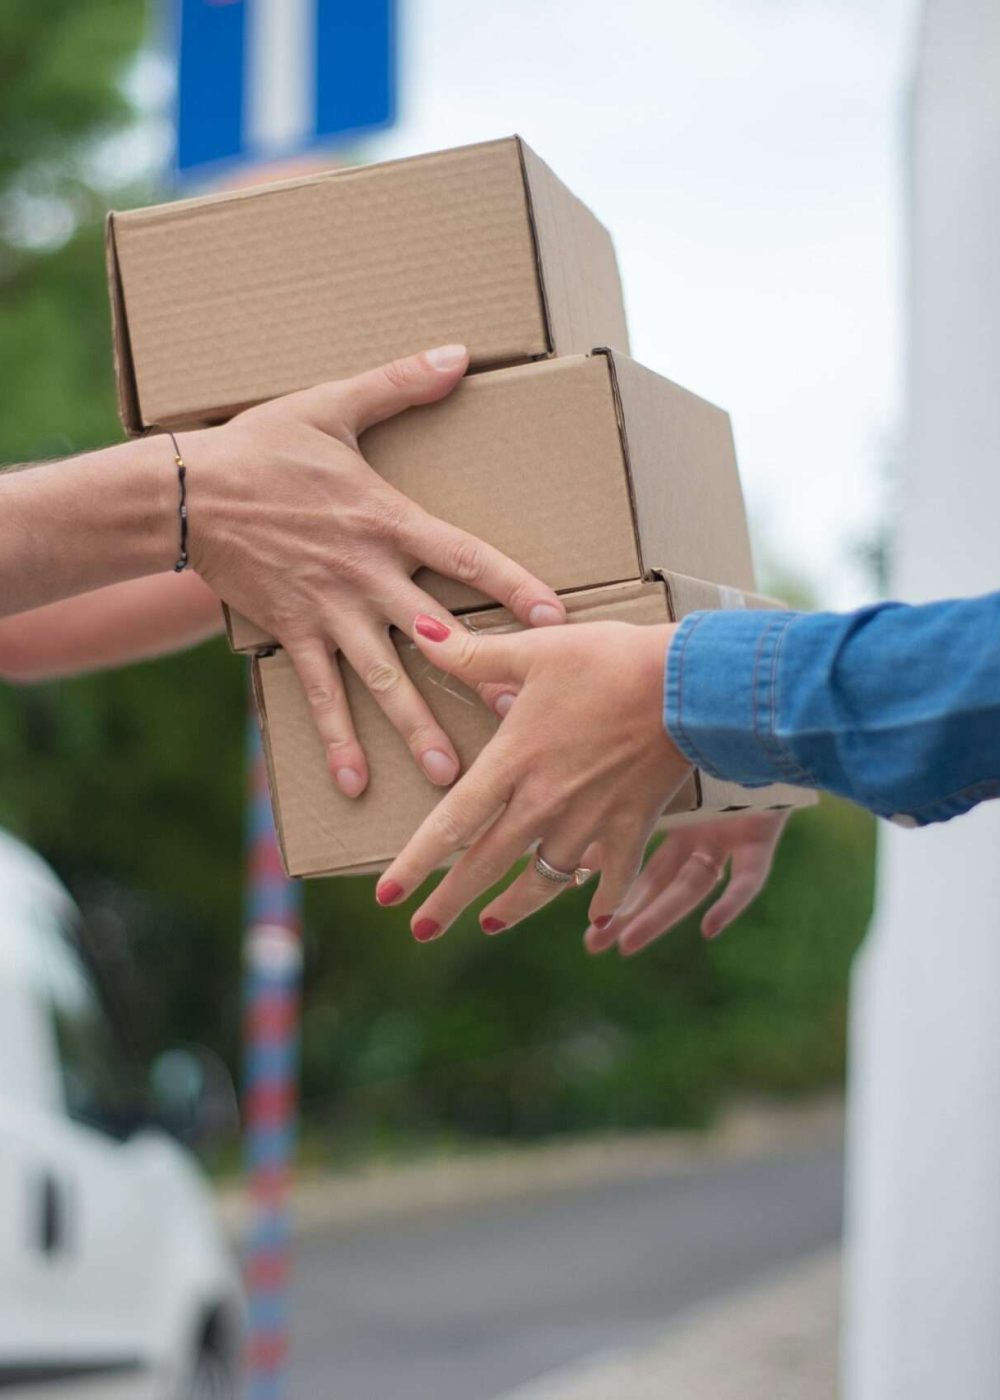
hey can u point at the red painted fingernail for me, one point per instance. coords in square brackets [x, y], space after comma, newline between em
[603, 921]
[425, 929]
[491, 925]
[430, 628]
[388, 892]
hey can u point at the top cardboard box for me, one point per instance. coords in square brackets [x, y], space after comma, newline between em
[225, 301]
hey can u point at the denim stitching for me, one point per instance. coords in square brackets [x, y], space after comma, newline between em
[765, 736]
[693, 749]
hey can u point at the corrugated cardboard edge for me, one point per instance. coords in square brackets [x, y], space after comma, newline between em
[686, 595]
[624, 370]
[128, 393]
[181, 208]
[559, 220]
[260, 709]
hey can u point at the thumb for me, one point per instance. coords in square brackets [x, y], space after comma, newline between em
[379, 393]
[471, 657]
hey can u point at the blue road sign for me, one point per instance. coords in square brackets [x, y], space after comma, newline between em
[266, 79]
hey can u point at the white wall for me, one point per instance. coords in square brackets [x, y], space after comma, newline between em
[923, 1304]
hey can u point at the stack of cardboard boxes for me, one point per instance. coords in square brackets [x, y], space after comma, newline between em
[615, 486]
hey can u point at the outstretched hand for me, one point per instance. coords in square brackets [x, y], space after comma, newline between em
[291, 526]
[685, 870]
[582, 756]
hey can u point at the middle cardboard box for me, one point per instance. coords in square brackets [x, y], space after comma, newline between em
[588, 470]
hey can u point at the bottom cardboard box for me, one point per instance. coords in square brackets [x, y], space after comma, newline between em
[321, 832]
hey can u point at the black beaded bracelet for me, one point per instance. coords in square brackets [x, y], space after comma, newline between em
[182, 558]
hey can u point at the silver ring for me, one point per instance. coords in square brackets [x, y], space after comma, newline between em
[551, 872]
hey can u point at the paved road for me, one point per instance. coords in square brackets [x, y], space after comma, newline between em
[467, 1307]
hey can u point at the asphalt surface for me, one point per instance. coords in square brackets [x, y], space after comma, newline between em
[467, 1307]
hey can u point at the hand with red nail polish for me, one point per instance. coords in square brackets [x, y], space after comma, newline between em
[684, 871]
[293, 528]
[582, 757]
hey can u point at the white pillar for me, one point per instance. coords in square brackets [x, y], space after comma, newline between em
[922, 1317]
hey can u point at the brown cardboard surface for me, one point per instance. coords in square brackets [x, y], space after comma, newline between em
[689, 507]
[571, 242]
[230, 299]
[323, 832]
[532, 459]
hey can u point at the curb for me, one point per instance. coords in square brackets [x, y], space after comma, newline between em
[382, 1194]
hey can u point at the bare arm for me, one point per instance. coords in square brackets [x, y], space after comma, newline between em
[70, 527]
[108, 627]
[291, 526]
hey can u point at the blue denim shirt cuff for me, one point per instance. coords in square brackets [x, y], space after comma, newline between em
[720, 696]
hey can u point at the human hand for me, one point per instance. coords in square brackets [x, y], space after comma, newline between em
[293, 528]
[685, 870]
[582, 755]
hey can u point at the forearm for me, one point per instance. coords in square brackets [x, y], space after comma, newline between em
[897, 708]
[108, 627]
[69, 527]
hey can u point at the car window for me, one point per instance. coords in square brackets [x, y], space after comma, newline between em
[97, 1076]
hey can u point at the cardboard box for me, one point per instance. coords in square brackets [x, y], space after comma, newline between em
[321, 832]
[588, 470]
[227, 300]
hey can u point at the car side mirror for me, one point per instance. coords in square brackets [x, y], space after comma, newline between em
[192, 1096]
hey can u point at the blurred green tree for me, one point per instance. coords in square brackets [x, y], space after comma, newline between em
[129, 783]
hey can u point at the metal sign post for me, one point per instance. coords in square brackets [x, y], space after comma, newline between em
[273, 951]
[261, 82]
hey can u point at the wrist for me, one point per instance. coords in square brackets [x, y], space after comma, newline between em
[662, 660]
[146, 502]
[200, 452]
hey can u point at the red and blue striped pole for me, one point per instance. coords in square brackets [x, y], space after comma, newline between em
[273, 953]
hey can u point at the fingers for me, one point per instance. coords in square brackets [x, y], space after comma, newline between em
[696, 879]
[497, 697]
[750, 869]
[621, 861]
[459, 555]
[660, 869]
[471, 657]
[486, 861]
[355, 404]
[320, 679]
[380, 668]
[531, 890]
[457, 819]
[406, 602]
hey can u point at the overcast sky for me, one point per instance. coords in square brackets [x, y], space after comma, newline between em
[746, 156]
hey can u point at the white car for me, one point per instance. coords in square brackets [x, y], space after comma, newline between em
[115, 1280]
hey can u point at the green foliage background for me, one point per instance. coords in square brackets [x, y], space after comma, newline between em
[131, 784]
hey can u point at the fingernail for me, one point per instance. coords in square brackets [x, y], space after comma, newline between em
[446, 357]
[350, 782]
[441, 769]
[545, 615]
[603, 921]
[426, 929]
[503, 703]
[388, 892]
[431, 628]
[491, 925]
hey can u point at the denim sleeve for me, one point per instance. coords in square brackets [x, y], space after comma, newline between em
[895, 707]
